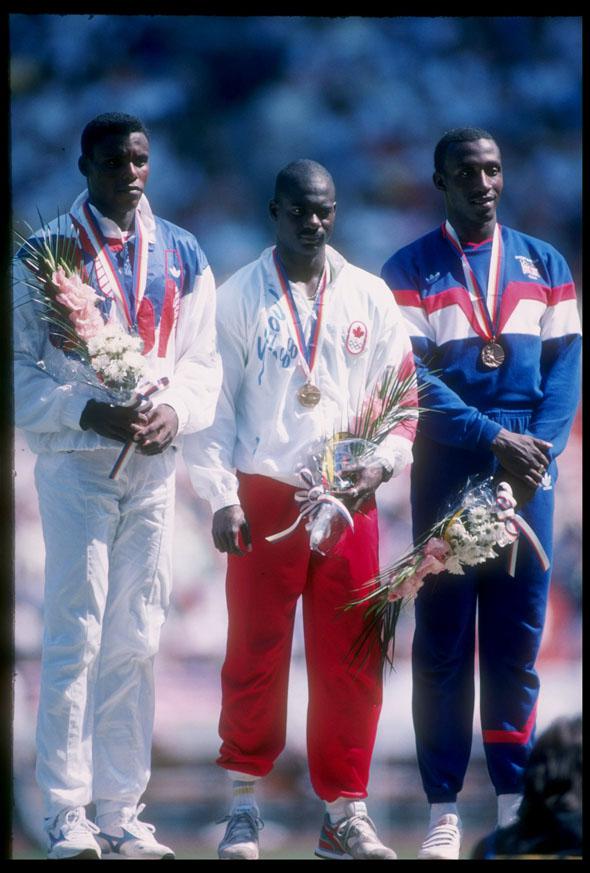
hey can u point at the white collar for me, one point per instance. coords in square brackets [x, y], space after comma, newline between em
[110, 228]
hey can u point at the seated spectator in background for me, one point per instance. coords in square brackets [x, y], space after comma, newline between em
[549, 823]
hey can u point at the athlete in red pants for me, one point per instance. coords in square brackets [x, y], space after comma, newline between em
[303, 336]
[263, 588]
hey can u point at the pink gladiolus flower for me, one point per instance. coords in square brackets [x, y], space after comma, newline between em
[437, 548]
[430, 566]
[410, 586]
[87, 324]
[72, 292]
[81, 300]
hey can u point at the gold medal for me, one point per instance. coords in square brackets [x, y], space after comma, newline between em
[492, 355]
[309, 395]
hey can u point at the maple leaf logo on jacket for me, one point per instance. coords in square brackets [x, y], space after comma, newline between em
[356, 338]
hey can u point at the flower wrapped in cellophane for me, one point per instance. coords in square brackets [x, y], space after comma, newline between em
[111, 356]
[330, 465]
[100, 353]
[481, 521]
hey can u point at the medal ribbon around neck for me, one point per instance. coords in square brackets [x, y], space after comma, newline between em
[108, 274]
[486, 318]
[307, 350]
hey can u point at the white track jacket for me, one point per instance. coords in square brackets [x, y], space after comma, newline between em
[260, 427]
[49, 395]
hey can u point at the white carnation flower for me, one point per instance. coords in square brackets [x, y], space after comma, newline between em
[477, 514]
[457, 531]
[453, 565]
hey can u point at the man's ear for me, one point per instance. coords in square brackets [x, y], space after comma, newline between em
[83, 165]
[273, 209]
[439, 181]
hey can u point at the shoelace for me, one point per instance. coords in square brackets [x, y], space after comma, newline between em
[75, 821]
[243, 826]
[441, 835]
[138, 828]
[360, 825]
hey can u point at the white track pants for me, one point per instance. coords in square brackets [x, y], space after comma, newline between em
[107, 590]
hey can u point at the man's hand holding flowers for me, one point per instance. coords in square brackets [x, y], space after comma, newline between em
[366, 480]
[113, 421]
[154, 431]
[525, 457]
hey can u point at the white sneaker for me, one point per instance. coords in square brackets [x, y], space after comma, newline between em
[240, 841]
[443, 840]
[353, 838]
[131, 838]
[71, 836]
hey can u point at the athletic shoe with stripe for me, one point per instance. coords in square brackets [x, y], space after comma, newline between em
[128, 837]
[72, 836]
[443, 840]
[240, 841]
[352, 838]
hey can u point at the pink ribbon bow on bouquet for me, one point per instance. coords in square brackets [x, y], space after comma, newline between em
[131, 445]
[311, 501]
[515, 525]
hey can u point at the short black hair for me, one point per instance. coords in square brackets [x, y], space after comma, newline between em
[295, 172]
[457, 134]
[107, 124]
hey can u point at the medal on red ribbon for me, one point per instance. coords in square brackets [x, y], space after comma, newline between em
[309, 395]
[487, 317]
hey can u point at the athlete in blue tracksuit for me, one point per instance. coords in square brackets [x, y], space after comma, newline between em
[496, 334]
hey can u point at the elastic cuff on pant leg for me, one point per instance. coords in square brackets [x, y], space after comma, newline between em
[442, 798]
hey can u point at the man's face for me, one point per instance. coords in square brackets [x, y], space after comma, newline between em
[304, 215]
[472, 181]
[117, 172]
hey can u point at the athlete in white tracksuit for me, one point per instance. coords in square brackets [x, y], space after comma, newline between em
[108, 541]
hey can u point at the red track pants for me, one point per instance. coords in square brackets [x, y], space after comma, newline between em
[262, 589]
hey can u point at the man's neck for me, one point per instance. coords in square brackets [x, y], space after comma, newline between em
[469, 232]
[124, 221]
[301, 269]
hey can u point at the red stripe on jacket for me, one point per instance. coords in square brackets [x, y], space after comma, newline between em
[167, 317]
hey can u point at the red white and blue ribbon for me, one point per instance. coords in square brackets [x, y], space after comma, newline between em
[128, 449]
[308, 350]
[108, 274]
[486, 318]
[516, 525]
[311, 501]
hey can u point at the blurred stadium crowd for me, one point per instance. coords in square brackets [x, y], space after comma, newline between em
[229, 101]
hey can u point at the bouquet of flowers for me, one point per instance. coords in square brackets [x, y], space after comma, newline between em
[482, 520]
[71, 306]
[330, 465]
[110, 356]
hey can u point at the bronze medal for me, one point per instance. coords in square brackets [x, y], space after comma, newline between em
[309, 395]
[492, 355]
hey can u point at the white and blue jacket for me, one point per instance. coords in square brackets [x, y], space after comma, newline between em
[175, 319]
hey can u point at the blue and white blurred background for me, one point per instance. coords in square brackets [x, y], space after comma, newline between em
[229, 101]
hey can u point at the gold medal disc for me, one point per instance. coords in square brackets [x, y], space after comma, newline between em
[309, 395]
[492, 355]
